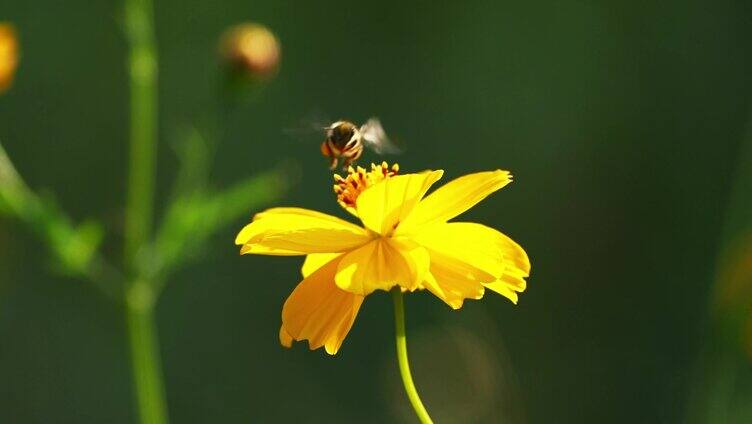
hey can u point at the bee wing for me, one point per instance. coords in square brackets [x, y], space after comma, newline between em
[375, 138]
[313, 125]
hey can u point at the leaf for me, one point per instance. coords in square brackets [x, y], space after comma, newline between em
[192, 219]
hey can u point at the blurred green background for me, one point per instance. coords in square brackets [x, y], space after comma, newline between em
[622, 122]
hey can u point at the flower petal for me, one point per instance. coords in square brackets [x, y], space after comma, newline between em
[385, 204]
[503, 289]
[455, 197]
[285, 339]
[295, 231]
[516, 269]
[382, 264]
[418, 260]
[315, 261]
[465, 257]
[318, 311]
[473, 250]
[451, 285]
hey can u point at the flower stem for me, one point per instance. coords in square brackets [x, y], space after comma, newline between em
[404, 365]
[147, 369]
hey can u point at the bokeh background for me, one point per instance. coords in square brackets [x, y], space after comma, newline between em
[624, 124]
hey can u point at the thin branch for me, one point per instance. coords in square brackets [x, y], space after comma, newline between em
[76, 253]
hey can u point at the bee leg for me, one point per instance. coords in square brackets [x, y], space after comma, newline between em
[326, 150]
[353, 156]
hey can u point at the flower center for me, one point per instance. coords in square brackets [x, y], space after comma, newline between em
[348, 188]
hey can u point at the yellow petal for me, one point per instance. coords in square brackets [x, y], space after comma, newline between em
[417, 259]
[295, 231]
[517, 268]
[318, 311]
[381, 265]
[466, 256]
[455, 197]
[257, 249]
[451, 285]
[315, 261]
[295, 211]
[517, 264]
[335, 339]
[503, 289]
[474, 248]
[382, 206]
[285, 339]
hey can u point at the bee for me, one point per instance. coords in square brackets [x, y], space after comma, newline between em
[347, 141]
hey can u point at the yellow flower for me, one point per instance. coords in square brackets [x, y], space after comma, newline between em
[405, 241]
[8, 55]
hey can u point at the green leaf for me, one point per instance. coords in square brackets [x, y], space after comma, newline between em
[192, 219]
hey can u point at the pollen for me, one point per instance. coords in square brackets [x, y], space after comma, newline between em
[348, 188]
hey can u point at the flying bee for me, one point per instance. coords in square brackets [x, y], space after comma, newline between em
[346, 140]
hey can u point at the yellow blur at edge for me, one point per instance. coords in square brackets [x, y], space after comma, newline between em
[8, 55]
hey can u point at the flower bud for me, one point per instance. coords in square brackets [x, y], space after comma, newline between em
[251, 49]
[8, 55]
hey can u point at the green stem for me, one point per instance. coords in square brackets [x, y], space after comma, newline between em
[404, 365]
[19, 201]
[147, 369]
[141, 296]
[139, 22]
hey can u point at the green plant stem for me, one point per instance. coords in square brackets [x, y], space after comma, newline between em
[404, 365]
[141, 296]
[147, 370]
[54, 227]
[142, 70]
